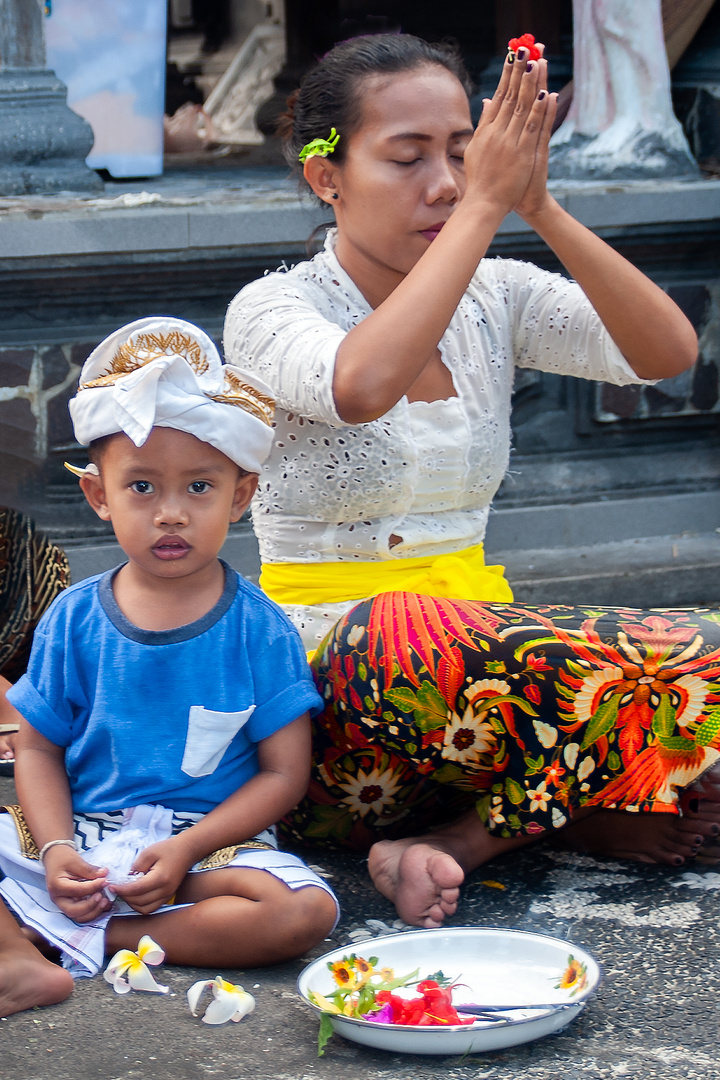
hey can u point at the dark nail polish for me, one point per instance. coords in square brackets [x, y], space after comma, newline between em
[521, 54]
[678, 860]
[542, 94]
[529, 65]
[715, 830]
[511, 59]
[693, 805]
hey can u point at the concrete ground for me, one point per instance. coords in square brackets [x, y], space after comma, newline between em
[653, 930]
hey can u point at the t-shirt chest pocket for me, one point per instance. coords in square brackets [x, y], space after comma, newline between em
[208, 737]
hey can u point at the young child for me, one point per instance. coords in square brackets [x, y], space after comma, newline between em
[165, 710]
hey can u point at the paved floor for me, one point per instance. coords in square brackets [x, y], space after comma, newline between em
[657, 1013]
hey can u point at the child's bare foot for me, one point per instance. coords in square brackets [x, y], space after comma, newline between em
[27, 979]
[654, 838]
[422, 875]
[42, 944]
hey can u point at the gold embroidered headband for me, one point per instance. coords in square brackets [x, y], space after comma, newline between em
[168, 373]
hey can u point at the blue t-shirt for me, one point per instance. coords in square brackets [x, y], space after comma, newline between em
[162, 716]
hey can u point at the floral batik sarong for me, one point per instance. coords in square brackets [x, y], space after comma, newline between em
[32, 573]
[437, 705]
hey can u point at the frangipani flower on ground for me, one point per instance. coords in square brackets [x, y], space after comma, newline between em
[230, 1002]
[129, 971]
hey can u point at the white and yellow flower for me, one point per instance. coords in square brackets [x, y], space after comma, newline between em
[468, 737]
[129, 971]
[369, 791]
[496, 811]
[230, 1001]
[539, 796]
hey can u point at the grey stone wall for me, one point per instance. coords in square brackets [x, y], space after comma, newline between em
[73, 270]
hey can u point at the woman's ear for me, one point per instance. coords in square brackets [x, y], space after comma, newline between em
[321, 175]
[92, 488]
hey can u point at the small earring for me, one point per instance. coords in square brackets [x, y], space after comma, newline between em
[335, 195]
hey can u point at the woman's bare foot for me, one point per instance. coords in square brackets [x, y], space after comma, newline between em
[421, 880]
[422, 875]
[27, 979]
[654, 838]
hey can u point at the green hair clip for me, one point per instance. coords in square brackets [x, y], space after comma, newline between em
[320, 147]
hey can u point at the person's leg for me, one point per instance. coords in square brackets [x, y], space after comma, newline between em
[548, 710]
[646, 838]
[27, 979]
[654, 838]
[389, 766]
[238, 918]
[422, 874]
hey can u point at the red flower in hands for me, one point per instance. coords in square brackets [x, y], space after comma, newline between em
[527, 41]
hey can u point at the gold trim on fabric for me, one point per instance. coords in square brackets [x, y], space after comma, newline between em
[224, 856]
[246, 397]
[143, 349]
[28, 847]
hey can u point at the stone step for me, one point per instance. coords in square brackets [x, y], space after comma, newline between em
[681, 570]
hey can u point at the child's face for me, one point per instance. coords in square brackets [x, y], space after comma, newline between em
[170, 501]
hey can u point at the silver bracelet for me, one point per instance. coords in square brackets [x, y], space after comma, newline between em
[54, 843]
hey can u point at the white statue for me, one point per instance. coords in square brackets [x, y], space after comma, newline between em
[621, 122]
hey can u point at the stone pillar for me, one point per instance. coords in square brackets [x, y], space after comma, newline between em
[43, 143]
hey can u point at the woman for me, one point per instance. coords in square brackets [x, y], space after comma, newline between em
[32, 573]
[458, 725]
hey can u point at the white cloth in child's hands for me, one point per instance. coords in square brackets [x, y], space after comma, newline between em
[144, 825]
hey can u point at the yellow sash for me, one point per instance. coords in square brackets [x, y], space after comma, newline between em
[461, 575]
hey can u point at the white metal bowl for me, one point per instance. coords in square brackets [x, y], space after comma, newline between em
[509, 968]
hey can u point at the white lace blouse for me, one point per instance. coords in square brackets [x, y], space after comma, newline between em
[426, 472]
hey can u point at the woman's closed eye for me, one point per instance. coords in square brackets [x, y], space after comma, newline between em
[142, 487]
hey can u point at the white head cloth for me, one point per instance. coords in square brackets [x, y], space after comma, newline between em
[163, 372]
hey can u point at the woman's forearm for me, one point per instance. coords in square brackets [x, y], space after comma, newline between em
[381, 358]
[383, 355]
[650, 330]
